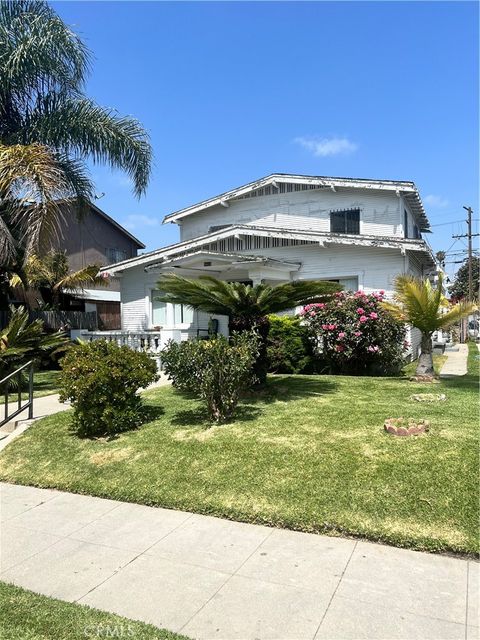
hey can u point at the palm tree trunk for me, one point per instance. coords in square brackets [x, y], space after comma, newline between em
[425, 361]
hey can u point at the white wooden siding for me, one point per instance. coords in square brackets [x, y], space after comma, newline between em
[375, 268]
[136, 288]
[381, 214]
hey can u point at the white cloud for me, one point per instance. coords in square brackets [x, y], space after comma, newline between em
[435, 201]
[134, 221]
[326, 146]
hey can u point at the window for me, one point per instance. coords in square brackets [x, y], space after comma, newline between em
[405, 223]
[182, 314]
[416, 232]
[345, 221]
[349, 284]
[159, 310]
[115, 255]
[218, 227]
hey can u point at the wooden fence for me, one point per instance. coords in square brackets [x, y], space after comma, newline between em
[66, 319]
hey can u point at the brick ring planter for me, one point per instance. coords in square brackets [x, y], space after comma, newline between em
[402, 427]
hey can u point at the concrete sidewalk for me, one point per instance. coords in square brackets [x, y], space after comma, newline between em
[213, 578]
[456, 363]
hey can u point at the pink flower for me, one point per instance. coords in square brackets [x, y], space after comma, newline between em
[360, 311]
[341, 334]
[339, 347]
[372, 349]
[357, 333]
[381, 292]
[325, 327]
[374, 315]
[332, 326]
[363, 318]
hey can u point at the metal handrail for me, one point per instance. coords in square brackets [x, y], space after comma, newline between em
[28, 405]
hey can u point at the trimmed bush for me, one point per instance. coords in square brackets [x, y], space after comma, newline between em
[355, 335]
[215, 370]
[101, 380]
[289, 349]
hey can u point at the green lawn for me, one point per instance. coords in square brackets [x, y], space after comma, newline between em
[308, 453]
[44, 384]
[25, 615]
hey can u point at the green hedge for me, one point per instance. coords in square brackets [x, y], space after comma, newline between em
[289, 348]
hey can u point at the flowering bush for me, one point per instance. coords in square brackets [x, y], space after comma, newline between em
[355, 335]
[215, 370]
[101, 381]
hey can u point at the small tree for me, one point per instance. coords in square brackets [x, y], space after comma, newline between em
[51, 276]
[216, 370]
[246, 306]
[459, 289]
[426, 308]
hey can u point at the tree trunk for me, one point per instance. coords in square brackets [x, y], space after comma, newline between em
[262, 326]
[425, 361]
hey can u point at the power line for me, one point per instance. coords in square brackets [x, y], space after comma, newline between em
[444, 224]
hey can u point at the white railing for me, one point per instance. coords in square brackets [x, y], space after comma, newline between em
[150, 341]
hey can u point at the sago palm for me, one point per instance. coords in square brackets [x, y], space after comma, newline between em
[51, 276]
[246, 306]
[22, 340]
[425, 307]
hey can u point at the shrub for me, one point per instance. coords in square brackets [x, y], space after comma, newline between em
[289, 349]
[101, 379]
[216, 370]
[355, 335]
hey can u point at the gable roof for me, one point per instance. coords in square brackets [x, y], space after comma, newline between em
[315, 237]
[405, 188]
[115, 224]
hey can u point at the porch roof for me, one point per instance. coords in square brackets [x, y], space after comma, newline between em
[319, 238]
[212, 260]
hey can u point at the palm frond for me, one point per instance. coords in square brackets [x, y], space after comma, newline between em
[236, 299]
[78, 125]
[422, 306]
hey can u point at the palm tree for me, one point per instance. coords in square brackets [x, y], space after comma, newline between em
[426, 308]
[22, 340]
[51, 276]
[246, 306]
[31, 183]
[43, 110]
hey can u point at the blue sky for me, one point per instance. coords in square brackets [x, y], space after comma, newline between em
[230, 92]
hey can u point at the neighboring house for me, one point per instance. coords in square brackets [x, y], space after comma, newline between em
[96, 239]
[358, 232]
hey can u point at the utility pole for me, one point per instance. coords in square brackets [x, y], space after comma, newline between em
[469, 235]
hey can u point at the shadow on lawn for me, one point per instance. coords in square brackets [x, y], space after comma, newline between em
[283, 388]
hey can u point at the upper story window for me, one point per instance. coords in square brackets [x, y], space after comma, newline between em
[347, 221]
[218, 227]
[405, 223]
[416, 232]
[115, 255]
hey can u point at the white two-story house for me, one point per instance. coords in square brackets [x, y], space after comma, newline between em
[283, 227]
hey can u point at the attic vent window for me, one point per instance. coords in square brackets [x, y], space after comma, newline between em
[218, 227]
[207, 264]
[347, 221]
